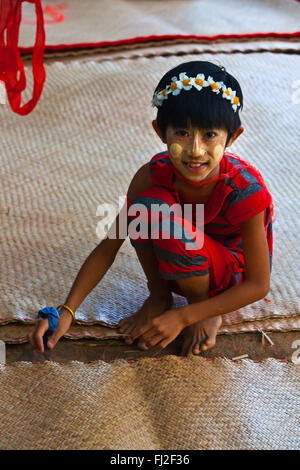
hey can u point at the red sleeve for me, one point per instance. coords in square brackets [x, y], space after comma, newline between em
[243, 204]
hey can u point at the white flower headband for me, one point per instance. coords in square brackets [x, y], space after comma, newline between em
[199, 82]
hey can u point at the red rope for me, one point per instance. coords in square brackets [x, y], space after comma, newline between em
[12, 71]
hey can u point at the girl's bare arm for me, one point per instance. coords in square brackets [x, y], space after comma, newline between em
[91, 272]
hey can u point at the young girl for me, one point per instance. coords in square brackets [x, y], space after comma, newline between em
[198, 106]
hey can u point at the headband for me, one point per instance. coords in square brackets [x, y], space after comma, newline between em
[187, 83]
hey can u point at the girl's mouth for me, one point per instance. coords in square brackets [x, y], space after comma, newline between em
[195, 167]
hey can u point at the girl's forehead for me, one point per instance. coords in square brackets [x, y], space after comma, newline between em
[195, 128]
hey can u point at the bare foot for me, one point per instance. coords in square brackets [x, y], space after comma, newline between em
[153, 306]
[201, 336]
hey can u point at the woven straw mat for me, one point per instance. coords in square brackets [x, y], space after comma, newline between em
[150, 404]
[104, 20]
[81, 147]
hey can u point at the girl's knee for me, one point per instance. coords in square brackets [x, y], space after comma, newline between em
[194, 288]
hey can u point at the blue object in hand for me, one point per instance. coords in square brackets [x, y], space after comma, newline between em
[52, 314]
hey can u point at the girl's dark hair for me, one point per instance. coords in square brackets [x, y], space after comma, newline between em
[203, 109]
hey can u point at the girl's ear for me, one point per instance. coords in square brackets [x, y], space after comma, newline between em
[158, 131]
[237, 133]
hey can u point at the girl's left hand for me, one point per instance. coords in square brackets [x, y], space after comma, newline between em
[160, 331]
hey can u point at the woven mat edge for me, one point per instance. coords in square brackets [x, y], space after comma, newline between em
[26, 321]
[132, 47]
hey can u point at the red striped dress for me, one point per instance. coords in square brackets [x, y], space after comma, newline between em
[239, 194]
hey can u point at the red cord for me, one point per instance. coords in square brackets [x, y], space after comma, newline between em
[12, 71]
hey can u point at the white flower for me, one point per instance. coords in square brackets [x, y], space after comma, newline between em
[159, 97]
[156, 101]
[215, 86]
[235, 101]
[199, 82]
[228, 93]
[175, 87]
[185, 81]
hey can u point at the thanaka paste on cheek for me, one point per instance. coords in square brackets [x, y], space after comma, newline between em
[176, 150]
[218, 152]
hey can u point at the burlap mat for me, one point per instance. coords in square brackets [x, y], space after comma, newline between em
[81, 146]
[93, 22]
[167, 403]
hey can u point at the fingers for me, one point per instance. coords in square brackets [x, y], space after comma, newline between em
[143, 344]
[163, 344]
[35, 337]
[154, 332]
[141, 332]
[126, 328]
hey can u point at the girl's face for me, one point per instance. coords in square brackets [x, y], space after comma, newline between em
[196, 153]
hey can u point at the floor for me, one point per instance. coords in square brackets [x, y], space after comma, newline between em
[228, 346]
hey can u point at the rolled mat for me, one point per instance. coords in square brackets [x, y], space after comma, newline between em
[167, 403]
[121, 23]
[80, 148]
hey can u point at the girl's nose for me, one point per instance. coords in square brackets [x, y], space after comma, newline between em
[198, 149]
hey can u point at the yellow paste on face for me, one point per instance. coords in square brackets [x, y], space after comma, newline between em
[218, 152]
[176, 150]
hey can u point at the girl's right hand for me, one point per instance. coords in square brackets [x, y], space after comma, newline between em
[35, 337]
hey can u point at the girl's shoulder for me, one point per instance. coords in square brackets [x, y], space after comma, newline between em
[232, 160]
[240, 170]
[247, 192]
[161, 169]
[158, 160]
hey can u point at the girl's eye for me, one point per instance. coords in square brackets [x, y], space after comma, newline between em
[211, 134]
[182, 133]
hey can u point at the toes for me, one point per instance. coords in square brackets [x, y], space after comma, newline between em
[192, 345]
[197, 346]
[196, 350]
[190, 348]
[186, 348]
[209, 343]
